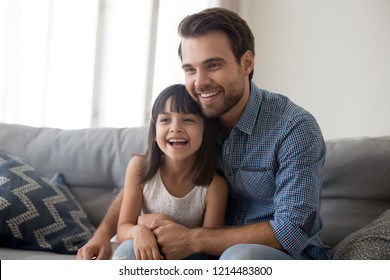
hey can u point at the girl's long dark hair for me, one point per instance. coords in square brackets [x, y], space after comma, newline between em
[181, 102]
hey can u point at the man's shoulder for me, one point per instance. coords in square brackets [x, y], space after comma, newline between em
[279, 104]
[277, 112]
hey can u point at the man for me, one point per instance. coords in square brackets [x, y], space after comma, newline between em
[271, 152]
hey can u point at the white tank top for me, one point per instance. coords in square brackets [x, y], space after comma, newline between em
[187, 210]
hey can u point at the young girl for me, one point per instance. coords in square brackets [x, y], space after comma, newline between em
[176, 178]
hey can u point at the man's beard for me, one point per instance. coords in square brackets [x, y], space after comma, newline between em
[218, 110]
[233, 94]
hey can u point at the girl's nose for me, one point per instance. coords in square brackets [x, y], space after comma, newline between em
[175, 127]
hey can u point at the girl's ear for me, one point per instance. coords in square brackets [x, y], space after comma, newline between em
[247, 62]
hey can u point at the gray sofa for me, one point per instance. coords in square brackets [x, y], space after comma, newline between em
[92, 162]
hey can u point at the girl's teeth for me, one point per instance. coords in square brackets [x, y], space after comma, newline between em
[177, 140]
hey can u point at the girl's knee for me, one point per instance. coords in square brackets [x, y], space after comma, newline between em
[125, 251]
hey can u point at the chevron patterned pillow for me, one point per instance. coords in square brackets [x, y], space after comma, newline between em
[37, 213]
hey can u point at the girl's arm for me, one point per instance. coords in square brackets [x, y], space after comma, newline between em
[216, 200]
[145, 244]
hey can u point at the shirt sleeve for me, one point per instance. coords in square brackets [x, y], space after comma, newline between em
[301, 156]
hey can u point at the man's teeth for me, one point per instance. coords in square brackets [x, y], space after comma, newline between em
[208, 94]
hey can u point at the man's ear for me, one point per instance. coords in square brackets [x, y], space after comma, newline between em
[247, 62]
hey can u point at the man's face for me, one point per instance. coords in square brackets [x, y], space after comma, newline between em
[212, 75]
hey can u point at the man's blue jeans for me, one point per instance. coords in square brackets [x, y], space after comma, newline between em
[253, 252]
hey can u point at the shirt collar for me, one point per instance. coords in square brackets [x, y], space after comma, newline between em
[248, 119]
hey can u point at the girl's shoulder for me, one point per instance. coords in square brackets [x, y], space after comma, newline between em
[218, 177]
[134, 168]
[219, 183]
[217, 193]
[136, 163]
[137, 160]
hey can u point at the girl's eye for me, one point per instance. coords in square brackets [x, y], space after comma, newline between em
[189, 120]
[163, 120]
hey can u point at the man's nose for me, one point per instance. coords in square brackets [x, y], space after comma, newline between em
[202, 79]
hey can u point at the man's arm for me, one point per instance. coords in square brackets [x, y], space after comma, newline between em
[215, 242]
[178, 242]
[99, 245]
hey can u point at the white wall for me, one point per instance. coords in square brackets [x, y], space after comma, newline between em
[331, 57]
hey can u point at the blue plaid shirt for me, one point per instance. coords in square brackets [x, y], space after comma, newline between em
[273, 161]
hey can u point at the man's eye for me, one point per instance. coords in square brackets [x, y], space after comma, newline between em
[189, 70]
[214, 66]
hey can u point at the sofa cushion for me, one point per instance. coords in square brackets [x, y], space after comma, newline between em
[36, 213]
[356, 188]
[372, 242]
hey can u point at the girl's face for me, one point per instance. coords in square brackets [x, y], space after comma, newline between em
[179, 135]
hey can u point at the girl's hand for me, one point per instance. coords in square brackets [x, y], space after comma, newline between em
[148, 220]
[145, 245]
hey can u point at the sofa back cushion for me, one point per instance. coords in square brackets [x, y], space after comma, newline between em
[356, 187]
[93, 161]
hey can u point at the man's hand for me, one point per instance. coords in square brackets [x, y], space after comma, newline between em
[96, 248]
[99, 246]
[148, 220]
[173, 239]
